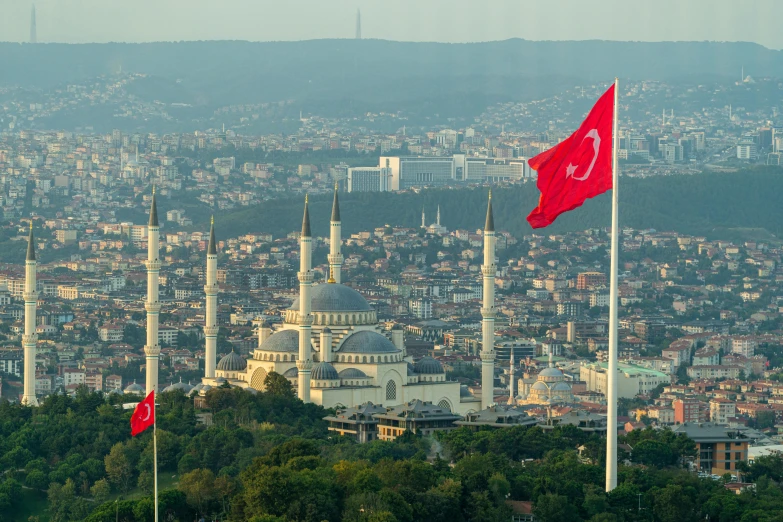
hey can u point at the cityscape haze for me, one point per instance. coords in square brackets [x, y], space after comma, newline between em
[513, 261]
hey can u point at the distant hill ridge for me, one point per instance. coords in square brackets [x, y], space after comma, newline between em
[378, 72]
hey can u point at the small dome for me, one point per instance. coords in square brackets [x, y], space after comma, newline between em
[550, 374]
[326, 330]
[179, 386]
[352, 373]
[428, 366]
[204, 389]
[196, 389]
[291, 373]
[134, 388]
[561, 386]
[411, 369]
[324, 371]
[282, 341]
[366, 341]
[539, 386]
[232, 363]
[332, 297]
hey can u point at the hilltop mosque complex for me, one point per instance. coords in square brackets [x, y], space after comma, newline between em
[330, 345]
[335, 353]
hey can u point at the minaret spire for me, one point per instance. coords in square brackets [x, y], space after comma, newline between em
[304, 363]
[335, 242]
[423, 223]
[488, 270]
[437, 219]
[152, 348]
[210, 317]
[30, 338]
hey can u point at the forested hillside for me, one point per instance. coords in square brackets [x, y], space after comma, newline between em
[713, 204]
[268, 458]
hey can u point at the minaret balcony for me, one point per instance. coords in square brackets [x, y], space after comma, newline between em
[306, 277]
[336, 259]
[306, 320]
[211, 331]
[304, 366]
[31, 339]
[152, 265]
[488, 313]
[489, 270]
[211, 289]
[152, 351]
[487, 357]
[30, 296]
[152, 307]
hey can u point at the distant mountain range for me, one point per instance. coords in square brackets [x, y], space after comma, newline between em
[376, 75]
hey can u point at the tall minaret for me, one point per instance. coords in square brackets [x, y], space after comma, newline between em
[335, 240]
[305, 362]
[211, 290]
[30, 338]
[511, 400]
[437, 219]
[423, 223]
[488, 270]
[33, 31]
[358, 24]
[152, 348]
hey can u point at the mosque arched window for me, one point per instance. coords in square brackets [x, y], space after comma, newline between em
[391, 391]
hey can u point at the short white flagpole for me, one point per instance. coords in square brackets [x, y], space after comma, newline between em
[611, 381]
[155, 451]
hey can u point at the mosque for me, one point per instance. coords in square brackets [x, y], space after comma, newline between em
[333, 350]
[550, 387]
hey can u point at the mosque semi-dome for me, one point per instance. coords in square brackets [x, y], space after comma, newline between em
[324, 371]
[428, 366]
[282, 341]
[366, 341]
[232, 363]
[330, 297]
[291, 373]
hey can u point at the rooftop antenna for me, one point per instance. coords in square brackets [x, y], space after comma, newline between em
[742, 71]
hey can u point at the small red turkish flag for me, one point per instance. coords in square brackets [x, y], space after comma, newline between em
[144, 415]
[578, 168]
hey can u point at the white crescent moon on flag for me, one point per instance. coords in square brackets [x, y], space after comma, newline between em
[149, 412]
[596, 145]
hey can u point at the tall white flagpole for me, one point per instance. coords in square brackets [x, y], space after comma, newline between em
[611, 392]
[155, 451]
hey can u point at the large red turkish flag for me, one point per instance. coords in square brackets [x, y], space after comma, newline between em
[578, 168]
[144, 415]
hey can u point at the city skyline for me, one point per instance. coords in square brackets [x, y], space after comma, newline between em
[262, 21]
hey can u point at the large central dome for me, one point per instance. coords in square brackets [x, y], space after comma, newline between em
[331, 297]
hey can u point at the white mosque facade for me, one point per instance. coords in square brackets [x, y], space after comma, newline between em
[348, 359]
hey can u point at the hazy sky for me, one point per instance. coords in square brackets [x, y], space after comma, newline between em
[412, 20]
